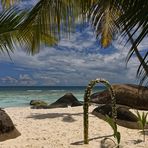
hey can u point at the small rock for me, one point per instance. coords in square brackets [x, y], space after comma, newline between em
[107, 143]
[38, 102]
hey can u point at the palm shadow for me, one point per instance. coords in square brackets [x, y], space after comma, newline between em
[137, 141]
[66, 117]
[82, 141]
[146, 132]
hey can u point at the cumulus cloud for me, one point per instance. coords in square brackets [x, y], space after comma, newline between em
[8, 80]
[22, 80]
[26, 80]
[74, 62]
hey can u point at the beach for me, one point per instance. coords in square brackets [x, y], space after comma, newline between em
[63, 128]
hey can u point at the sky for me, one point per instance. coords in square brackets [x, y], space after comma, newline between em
[73, 61]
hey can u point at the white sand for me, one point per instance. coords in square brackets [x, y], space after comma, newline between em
[63, 128]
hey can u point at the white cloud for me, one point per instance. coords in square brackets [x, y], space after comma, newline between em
[25, 79]
[75, 62]
[22, 80]
[8, 80]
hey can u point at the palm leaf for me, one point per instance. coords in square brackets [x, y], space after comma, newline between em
[11, 36]
[132, 18]
[8, 3]
[142, 119]
[9, 24]
[111, 122]
[103, 16]
[136, 17]
[49, 18]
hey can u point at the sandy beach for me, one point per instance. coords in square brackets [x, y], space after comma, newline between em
[63, 128]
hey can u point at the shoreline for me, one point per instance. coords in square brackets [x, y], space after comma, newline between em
[63, 128]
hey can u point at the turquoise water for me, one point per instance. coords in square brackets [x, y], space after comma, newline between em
[21, 96]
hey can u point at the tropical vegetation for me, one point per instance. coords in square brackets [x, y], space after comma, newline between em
[113, 125]
[142, 121]
[112, 120]
[44, 23]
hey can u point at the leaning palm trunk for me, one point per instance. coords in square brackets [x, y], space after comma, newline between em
[86, 104]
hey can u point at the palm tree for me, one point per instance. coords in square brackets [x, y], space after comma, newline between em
[138, 22]
[111, 17]
[12, 32]
[48, 18]
[9, 24]
[45, 22]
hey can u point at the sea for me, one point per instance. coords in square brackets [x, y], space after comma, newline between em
[20, 96]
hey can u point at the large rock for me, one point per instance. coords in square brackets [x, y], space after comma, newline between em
[125, 117]
[130, 95]
[67, 100]
[7, 128]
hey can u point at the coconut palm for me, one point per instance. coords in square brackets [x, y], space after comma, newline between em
[9, 33]
[134, 21]
[50, 17]
[8, 3]
[13, 33]
[111, 17]
[46, 21]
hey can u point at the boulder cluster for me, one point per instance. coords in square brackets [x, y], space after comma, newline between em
[127, 97]
[67, 100]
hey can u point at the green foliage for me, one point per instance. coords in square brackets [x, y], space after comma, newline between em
[121, 17]
[103, 16]
[8, 3]
[142, 121]
[9, 25]
[47, 20]
[113, 124]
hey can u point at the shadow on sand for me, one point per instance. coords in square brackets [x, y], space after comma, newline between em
[82, 142]
[66, 117]
[146, 132]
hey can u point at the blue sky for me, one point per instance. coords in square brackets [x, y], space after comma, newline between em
[73, 61]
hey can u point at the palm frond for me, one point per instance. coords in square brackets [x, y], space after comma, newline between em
[135, 14]
[103, 16]
[142, 74]
[86, 5]
[11, 36]
[9, 23]
[8, 3]
[48, 19]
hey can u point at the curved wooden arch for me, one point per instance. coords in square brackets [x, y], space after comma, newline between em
[87, 95]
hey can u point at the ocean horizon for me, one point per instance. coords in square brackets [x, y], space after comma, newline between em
[20, 96]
